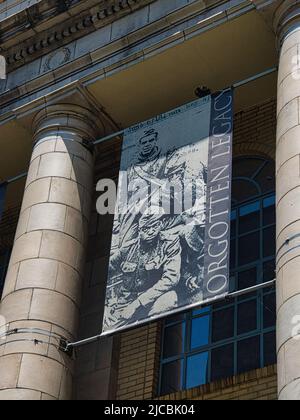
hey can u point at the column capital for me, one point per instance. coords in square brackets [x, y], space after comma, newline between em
[83, 123]
[286, 18]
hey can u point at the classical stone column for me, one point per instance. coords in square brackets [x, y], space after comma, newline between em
[287, 25]
[42, 292]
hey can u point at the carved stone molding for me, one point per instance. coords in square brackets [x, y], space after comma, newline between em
[57, 58]
[280, 15]
[60, 34]
[85, 123]
[285, 17]
[107, 57]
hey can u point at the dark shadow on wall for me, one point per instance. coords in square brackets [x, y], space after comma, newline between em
[97, 363]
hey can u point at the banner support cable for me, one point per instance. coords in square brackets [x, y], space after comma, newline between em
[16, 178]
[121, 132]
[229, 296]
[255, 77]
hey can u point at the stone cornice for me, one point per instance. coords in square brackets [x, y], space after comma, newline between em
[49, 25]
[83, 121]
[285, 17]
[267, 9]
[27, 20]
[280, 15]
[116, 55]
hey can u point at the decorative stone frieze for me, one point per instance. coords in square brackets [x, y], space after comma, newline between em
[55, 35]
[115, 46]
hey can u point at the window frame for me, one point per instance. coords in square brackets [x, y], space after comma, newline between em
[258, 296]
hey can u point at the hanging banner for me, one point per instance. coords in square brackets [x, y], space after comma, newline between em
[171, 235]
[2, 198]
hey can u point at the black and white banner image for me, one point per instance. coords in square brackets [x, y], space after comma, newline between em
[171, 234]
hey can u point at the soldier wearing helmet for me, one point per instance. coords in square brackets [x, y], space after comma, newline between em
[150, 271]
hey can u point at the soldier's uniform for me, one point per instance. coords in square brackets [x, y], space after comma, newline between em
[149, 273]
[190, 224]
[146, 171]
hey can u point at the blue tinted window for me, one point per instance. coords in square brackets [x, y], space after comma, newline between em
[201, 311]
[197, 370]
[233, 335]
[270, 201]
[200, 332]
[249, 209]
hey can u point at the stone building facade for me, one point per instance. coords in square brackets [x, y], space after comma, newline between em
[78, 71]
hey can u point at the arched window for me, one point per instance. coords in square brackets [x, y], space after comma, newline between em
[235, 336]
[252, 177]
